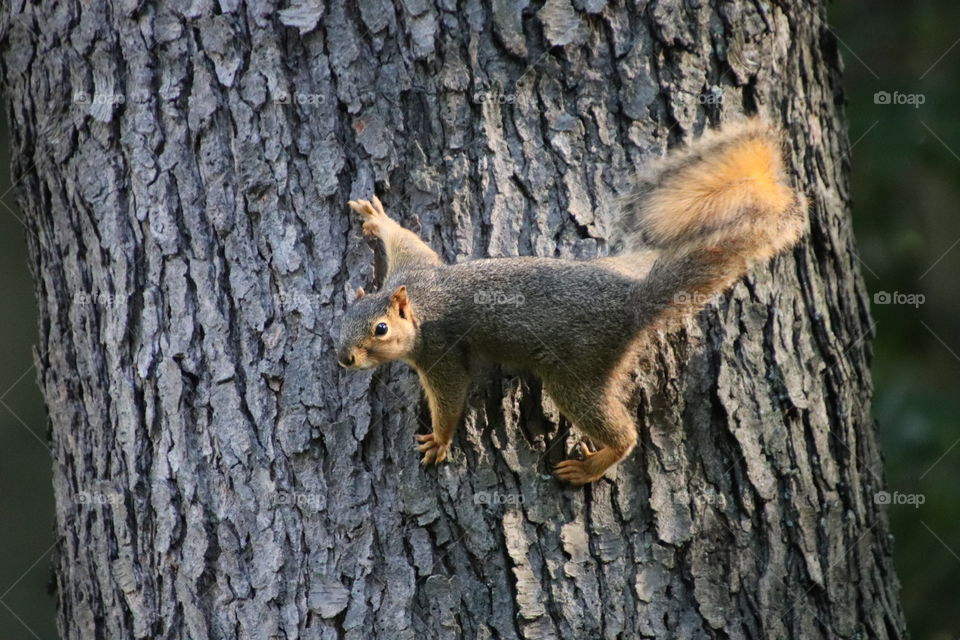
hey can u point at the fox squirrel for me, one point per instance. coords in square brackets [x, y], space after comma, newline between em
[693, 224]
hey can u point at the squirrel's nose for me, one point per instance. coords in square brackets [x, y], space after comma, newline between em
[346, 358]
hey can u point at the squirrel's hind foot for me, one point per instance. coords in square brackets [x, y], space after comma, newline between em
[591, 469]
[575, 472]
[434, 451]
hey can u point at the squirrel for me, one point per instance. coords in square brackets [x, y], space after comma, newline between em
[693, 223]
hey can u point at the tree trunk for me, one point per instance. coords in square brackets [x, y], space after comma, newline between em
[184, 172]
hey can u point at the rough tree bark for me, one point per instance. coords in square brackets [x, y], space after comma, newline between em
[183, 173]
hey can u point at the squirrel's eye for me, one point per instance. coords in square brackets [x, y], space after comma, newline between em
[380, 329]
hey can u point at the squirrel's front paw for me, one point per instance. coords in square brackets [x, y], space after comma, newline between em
[433, 449]
[372, 213]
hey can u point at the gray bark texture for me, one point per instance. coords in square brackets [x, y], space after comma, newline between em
[183, 173]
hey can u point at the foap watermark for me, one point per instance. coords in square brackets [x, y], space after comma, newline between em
[706, 98]
[493, 498]
[912, 99]
[297, 298]
[306, 99]
[497, 97]
[99, 299]
[99, 498]
[711, 497]
[492, 298]
[695, 298]
[897, 498]
[82, 97]
[298, 499]
[887, 297]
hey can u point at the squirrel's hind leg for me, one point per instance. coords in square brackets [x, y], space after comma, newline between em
[603, 417]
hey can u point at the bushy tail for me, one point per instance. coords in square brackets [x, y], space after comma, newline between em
[711, 211]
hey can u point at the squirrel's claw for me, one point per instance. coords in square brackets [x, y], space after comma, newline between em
[379, 206]
[372, 214]
[367, 209]
[363, 207]
[434, 451]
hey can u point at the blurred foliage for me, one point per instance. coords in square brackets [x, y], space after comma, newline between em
[26, 496]
[905, 184]
[906, 165]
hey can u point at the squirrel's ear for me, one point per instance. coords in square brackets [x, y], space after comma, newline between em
[399, 300]
[360, 293]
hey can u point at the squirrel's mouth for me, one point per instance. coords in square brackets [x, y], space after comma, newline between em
[358, 367]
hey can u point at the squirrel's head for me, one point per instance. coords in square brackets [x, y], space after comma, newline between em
[378, 328]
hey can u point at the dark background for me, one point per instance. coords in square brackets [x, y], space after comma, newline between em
[906, 190]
